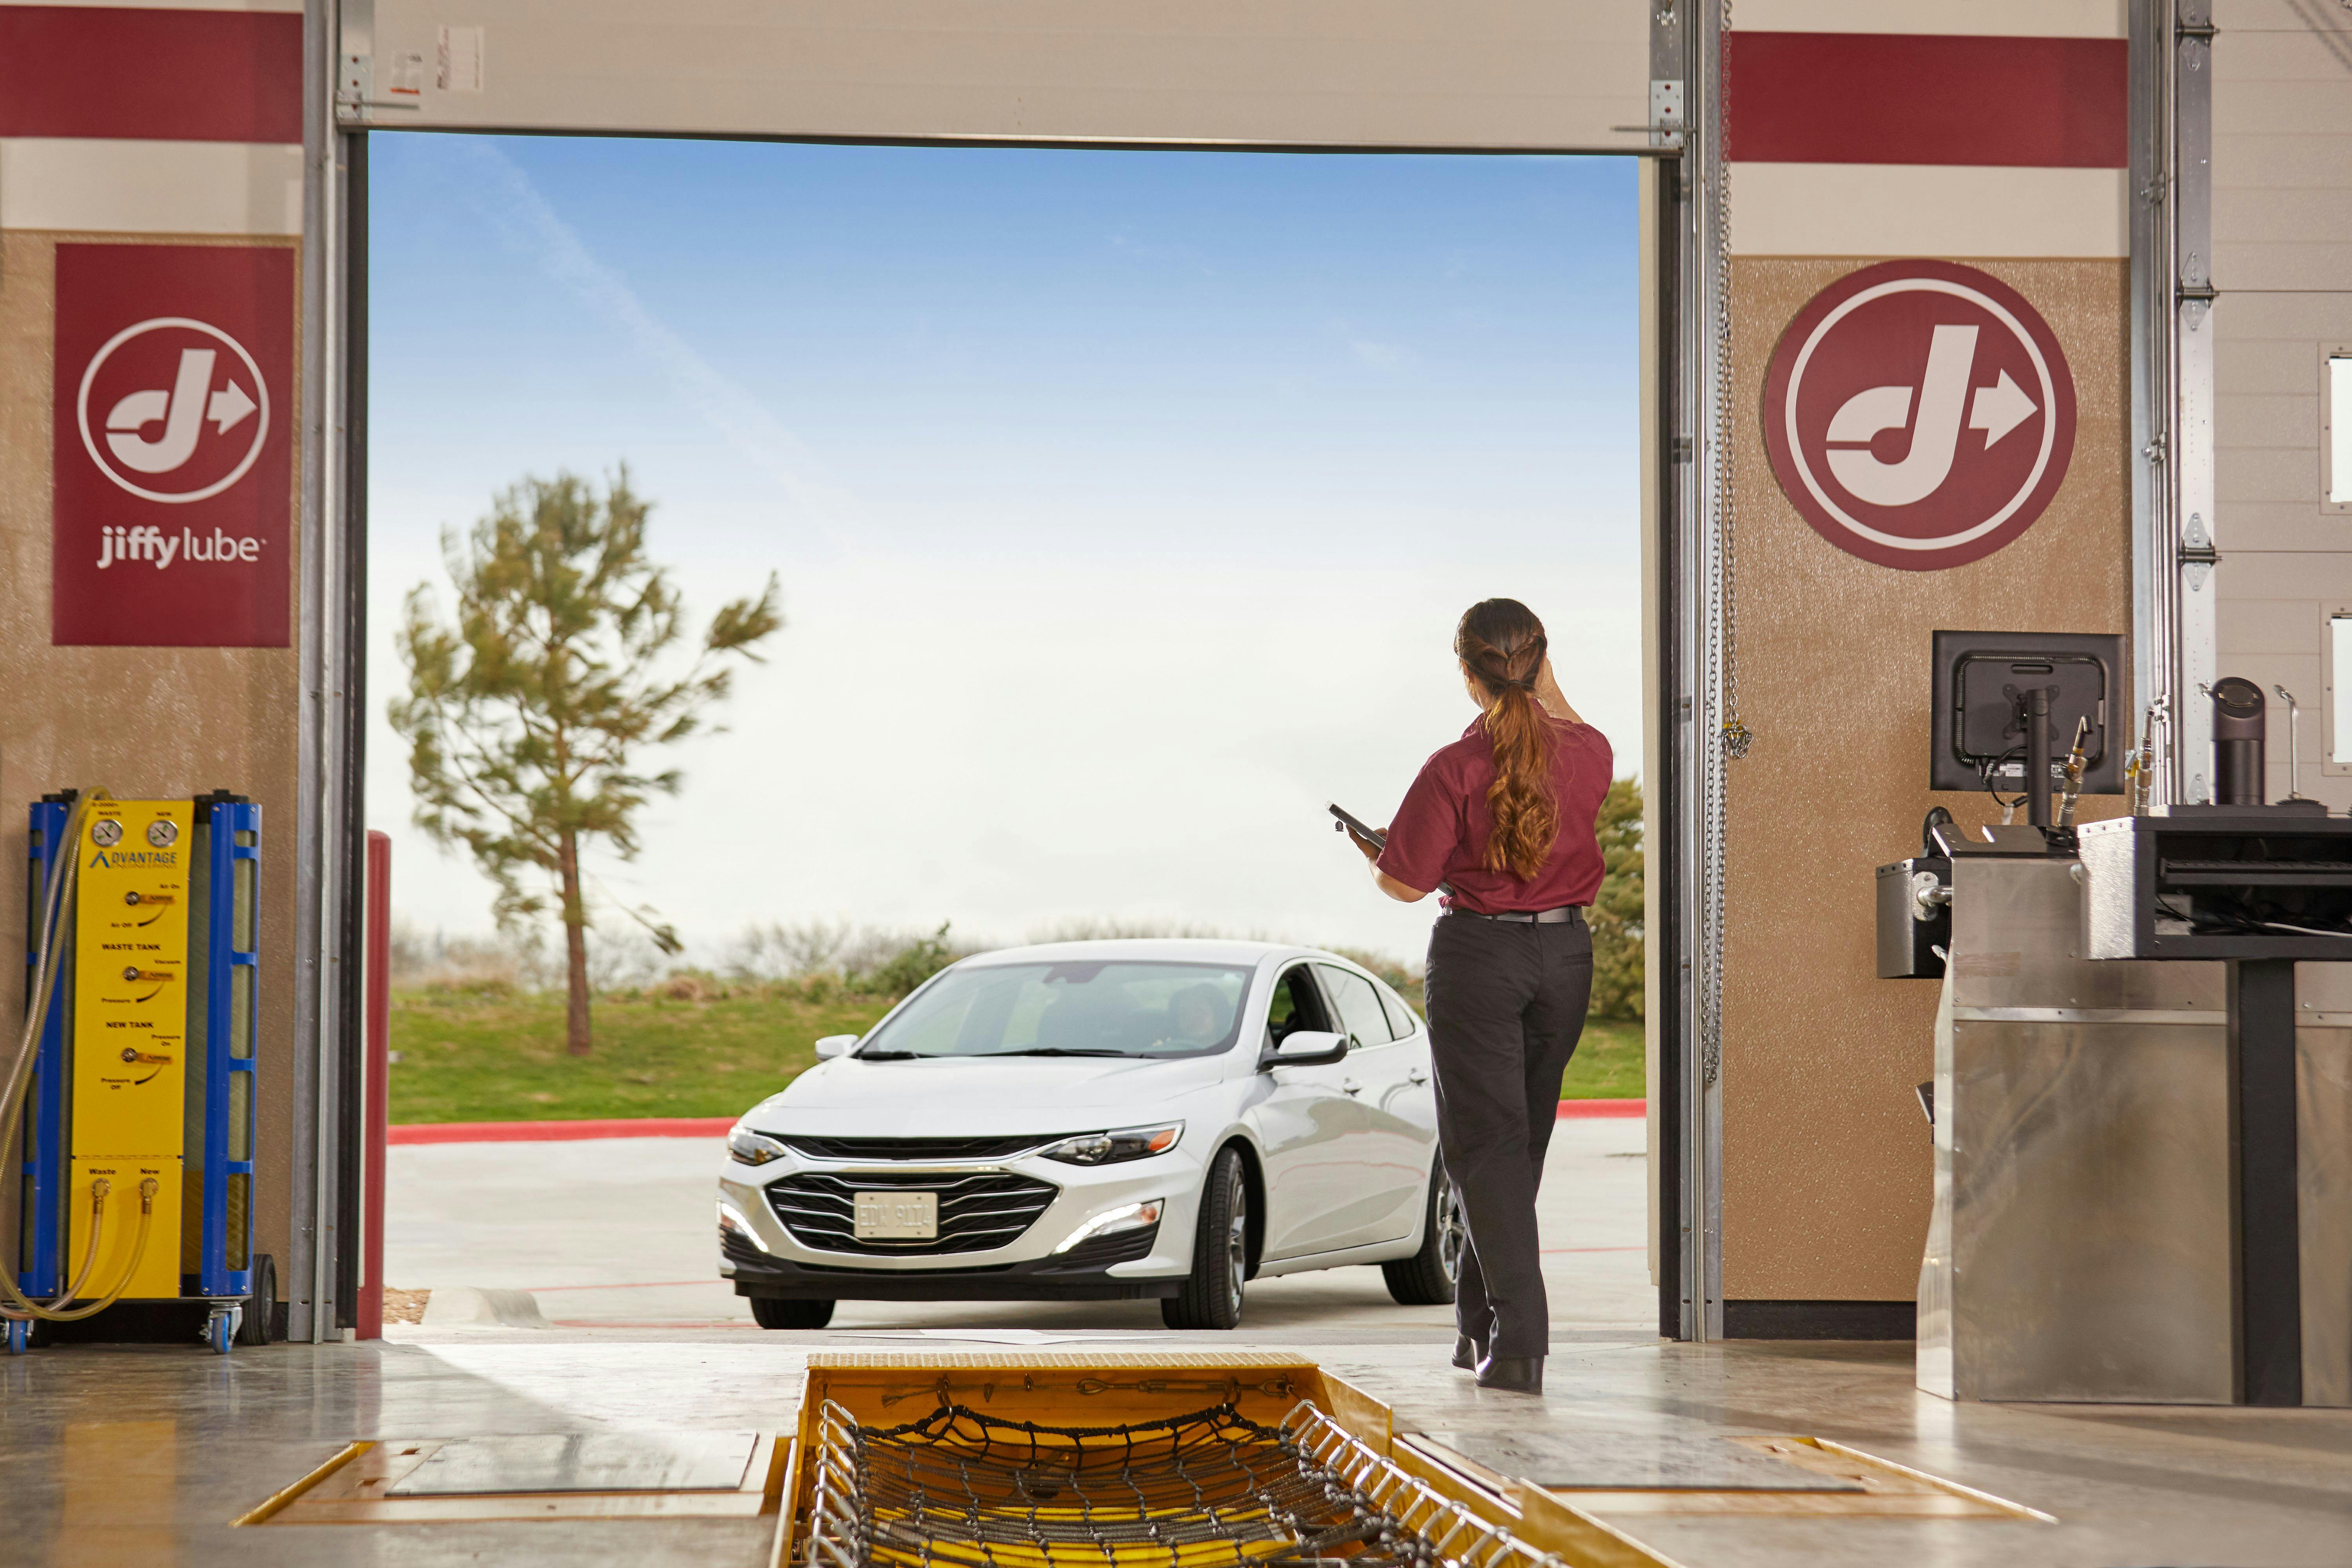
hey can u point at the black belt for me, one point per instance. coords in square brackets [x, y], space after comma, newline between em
[1564, 915]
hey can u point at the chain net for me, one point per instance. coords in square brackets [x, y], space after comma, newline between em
[1212, 1489]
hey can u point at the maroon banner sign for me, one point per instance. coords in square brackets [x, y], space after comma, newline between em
[174, 486]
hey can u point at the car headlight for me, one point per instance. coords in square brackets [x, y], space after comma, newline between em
[1110, 1148]
[749, 1148]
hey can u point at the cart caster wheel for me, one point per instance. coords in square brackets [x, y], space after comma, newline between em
[20, 1336]
[220, 1331]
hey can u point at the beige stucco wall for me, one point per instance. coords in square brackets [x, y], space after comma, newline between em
[1826, 1158]
[139, 722]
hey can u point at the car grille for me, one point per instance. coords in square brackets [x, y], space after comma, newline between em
[909, 1148]
[735, 1249]
[978, 1213]
[1102, 1251]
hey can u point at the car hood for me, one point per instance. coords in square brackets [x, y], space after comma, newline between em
[962, 1097]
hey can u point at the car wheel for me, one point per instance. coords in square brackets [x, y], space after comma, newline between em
[1211, 1296]
[775, 1314]
[1427, 1277]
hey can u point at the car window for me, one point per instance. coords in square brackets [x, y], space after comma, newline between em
[1359, 1006]
[1069, 1008]
[1402, 1020]
[1296, 1005]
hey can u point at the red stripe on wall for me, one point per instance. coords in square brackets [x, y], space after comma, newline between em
[1856, 98]
[171, 76]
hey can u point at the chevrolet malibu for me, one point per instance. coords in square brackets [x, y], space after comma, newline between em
[1100, 1121]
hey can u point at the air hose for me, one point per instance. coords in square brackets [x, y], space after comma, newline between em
[11, 1101]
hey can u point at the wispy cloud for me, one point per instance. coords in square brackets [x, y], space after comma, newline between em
[503, 194]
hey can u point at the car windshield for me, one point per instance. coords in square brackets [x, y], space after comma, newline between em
[1086, 1009]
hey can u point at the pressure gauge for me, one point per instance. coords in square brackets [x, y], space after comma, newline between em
[162, 833]
[106, 833]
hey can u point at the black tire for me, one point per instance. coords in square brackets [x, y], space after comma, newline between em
[1211, 1296]
[261, 1306]
[1427, 1278]
[775, 1314]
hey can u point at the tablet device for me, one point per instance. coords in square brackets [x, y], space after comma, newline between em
[1363, 830]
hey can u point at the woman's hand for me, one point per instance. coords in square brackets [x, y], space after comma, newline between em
[1371, 851]
[1550, 697]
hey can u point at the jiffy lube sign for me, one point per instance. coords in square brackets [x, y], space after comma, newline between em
[1919, 414]
[174, 483]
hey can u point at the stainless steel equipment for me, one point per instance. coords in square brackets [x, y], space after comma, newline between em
[2080, 1246]
[2085, 1242]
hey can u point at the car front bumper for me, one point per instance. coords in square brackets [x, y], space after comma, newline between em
[761, 1256]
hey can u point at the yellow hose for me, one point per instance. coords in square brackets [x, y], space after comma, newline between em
[11, 1101]
[148, 1187]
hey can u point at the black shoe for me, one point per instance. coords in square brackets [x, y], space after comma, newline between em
[1512, 1374]
[1467, 1353]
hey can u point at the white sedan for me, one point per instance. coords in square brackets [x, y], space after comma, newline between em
[1100, 1121]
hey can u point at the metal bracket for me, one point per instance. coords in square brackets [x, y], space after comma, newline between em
[2197, 557]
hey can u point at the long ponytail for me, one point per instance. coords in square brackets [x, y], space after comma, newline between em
[1501, 645]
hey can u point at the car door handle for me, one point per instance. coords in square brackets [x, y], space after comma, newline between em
[1418, 1075]
[1350, 1086]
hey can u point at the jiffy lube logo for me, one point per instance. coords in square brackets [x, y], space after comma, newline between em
[174, 459]
[1919, 414]
[173, 409]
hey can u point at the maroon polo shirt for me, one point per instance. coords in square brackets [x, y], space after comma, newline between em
[1440, 832]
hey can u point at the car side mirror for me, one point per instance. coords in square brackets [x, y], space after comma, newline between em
[1308, 1048]
[835, 1046]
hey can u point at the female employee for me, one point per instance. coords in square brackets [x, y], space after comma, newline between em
[1503, 816]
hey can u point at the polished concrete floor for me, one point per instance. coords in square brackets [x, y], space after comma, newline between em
[136, 1455]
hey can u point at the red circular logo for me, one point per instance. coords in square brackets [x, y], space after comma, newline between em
[173, 409]
[1919, 414]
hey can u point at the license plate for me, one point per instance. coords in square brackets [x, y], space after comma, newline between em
[887, 1217]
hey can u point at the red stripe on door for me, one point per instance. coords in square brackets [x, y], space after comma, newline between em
[171, 76]
[1856, 98]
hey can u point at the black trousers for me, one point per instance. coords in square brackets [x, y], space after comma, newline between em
[1505, 1004]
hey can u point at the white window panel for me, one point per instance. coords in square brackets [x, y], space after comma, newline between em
[2339, 692]
[2336, 430]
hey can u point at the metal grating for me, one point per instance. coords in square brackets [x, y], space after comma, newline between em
[1207, 1490]
[978, 1212]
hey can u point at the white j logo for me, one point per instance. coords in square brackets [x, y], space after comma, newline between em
[1935, 436]
[209, 385]
[183, 409]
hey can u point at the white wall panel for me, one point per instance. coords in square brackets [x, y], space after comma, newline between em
[1926, 209]
[1502, 74]
[2283, 261]
[130, 186]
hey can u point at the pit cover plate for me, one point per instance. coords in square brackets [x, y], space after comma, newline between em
[583, 1462]
[1616, 1460]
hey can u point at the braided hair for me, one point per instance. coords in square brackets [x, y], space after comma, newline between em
[1501, 645]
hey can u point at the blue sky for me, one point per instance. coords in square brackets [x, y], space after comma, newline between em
[1122, 501]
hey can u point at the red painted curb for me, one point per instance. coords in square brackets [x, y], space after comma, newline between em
[1568, 1108]
[562, 1132]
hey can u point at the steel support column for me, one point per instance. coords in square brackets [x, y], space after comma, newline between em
[1700, 702]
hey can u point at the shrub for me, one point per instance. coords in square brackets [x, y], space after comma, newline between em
[1616, 914]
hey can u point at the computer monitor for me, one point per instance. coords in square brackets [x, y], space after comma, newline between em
[1982, 685]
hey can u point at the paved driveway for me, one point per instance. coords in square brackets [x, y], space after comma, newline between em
[619, 1232]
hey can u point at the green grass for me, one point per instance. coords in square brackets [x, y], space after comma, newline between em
[1607, 1062]
[468, 1057]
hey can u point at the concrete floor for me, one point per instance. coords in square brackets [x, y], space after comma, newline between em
[142, 1455]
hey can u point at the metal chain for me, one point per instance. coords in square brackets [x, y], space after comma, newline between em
[1736, 733]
